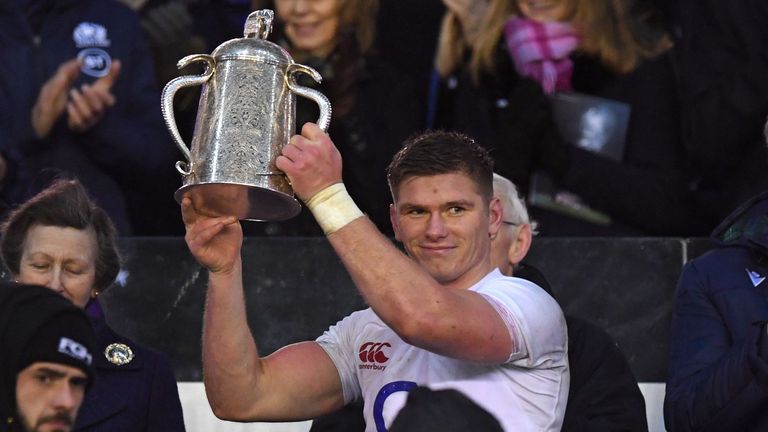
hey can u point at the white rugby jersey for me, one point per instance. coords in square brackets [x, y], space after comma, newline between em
[527, 393]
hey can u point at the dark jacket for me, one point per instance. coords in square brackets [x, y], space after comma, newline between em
[650, 189]
[507, 114]
[118, 159]
[718, 373]
[138, 396]
[724, 59]
[603, 395]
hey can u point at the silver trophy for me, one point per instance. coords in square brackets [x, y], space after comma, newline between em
[246, 114]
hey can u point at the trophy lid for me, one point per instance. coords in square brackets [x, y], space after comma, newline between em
[254, 45]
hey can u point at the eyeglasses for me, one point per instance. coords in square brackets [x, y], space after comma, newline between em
[510, 223]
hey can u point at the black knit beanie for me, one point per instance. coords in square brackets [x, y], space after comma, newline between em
[39, 325]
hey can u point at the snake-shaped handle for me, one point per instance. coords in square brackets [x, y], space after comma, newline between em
[185, 168]
[325, 105]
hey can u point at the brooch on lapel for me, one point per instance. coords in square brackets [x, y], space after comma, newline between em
[119, 354]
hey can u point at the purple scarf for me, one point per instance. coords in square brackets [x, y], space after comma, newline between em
[540, 51]
[94, 310]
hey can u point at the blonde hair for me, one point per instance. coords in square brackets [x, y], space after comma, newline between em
[484, 52]
[619, 37]
[450, 45]
[360, 16]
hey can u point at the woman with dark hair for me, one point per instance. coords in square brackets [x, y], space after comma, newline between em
[60, 239]
[373, 106]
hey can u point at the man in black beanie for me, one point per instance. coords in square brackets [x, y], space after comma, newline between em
[46, 360]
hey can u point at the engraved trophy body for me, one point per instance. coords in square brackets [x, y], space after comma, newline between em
[246, 114]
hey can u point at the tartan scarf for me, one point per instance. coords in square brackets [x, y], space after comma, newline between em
[540, 51]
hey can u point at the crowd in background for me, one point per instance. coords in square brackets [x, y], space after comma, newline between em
[683, 84]
[81, 81]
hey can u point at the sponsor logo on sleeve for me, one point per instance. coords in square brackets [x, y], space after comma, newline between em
[373, 355]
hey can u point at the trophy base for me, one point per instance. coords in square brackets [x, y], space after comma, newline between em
[245, 202]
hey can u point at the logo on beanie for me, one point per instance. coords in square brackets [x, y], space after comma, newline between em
[74, 349]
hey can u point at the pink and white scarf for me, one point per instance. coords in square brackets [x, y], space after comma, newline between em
[540, 51]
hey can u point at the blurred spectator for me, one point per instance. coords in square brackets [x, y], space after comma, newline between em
[615, 50]
[177, 28]
[625, 56]
[82, 100]
[718, 365]
[603, 395]
[724, 62]
[407, 39]
[373, 105]
[444, 410]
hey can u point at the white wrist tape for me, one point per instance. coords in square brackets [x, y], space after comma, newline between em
[333, 208]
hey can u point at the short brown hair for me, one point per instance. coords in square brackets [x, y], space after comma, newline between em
[66, 204]
[442, 152]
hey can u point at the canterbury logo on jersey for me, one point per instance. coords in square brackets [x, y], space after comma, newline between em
[373, 355]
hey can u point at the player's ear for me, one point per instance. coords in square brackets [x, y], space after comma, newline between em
[495, 215]
[393, 221]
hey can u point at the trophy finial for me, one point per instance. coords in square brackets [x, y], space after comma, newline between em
[259, 24]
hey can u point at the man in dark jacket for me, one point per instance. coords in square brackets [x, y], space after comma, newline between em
[718, 366]
[47, 361]
[80, 99]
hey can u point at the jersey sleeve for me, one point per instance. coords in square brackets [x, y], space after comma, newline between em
[535, 321]
[338, 343]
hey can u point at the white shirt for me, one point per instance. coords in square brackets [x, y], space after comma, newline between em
[527, 393]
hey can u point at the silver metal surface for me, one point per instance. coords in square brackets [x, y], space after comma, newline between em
[246, 114]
